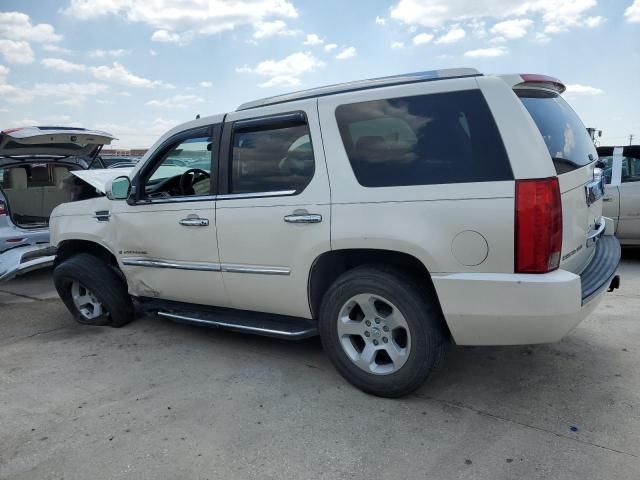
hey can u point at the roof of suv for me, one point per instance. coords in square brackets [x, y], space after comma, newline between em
[363, 85]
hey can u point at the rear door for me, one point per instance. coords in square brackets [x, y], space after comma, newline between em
[273, 211]
[574, 155]
[629, 220]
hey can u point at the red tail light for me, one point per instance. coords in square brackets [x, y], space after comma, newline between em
[3, 208]
[538, 225]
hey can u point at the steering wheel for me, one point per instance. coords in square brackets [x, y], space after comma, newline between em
[188, 178]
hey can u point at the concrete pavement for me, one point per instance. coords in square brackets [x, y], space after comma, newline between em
[161, 400]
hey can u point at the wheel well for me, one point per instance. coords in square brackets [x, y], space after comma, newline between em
[69, 248]
[330, 265]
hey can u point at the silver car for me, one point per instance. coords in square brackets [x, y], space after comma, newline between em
[622, 199]
[35, 163]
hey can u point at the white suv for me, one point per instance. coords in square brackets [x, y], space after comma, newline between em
[390, 216]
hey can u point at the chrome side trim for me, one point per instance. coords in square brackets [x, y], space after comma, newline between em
[235, 268]
[201, 267]
[230, 196]
[235, 326]
[206, 267]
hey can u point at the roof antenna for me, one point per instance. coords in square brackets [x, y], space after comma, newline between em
[197, 116]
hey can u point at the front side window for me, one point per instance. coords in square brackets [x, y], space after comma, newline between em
[185, 170]
[271, 159]
[423, 140]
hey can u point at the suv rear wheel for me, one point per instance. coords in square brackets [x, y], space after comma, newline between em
[382, 331]
[93, 292]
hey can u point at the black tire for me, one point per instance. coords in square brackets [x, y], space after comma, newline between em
[105, 284]
[417, 304]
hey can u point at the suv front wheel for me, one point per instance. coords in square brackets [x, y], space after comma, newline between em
[93, 292]
[382, 331]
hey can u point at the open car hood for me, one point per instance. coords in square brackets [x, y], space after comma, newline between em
[52, 141]
[98, 178]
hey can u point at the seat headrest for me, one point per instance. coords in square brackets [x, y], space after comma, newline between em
[370, 142]
[59, 174]
[17, 177]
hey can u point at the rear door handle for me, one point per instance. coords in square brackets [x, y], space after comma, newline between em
[194, 222]
[303, 218]
[607, 199]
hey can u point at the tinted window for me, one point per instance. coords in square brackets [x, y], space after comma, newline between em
[566, 137]
[423, 140]
[193, 155]
[271, 159]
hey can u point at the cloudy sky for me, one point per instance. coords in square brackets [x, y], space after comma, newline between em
[138, 67]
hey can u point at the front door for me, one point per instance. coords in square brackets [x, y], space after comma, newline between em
[273, 211]
[166, 238]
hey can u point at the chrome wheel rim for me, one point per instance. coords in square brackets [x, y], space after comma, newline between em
[86, 302]
[374, 334]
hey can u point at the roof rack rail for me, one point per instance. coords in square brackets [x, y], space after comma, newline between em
[364, 85]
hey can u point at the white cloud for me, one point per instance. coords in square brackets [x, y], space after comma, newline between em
[177, 101]
[117, 73]
[578, 89]
[516, 28]
[142, 133]
[397, 45]
[542, 38]
[4, 73]
[50, 47]
[422, 38]
[486, 52]
[181, 20]
[269, 29]
[556, 15]
[17, 26]
[380, 20]
[477, 28]
[348, 52]
[592, 22]
[120, 52]
[330, 46]
[16, 51]
[66, 93]
[206, 84]
[153, 53]
[632, 13]
[313, 39]
[285, 72]
[62, 65]
[452, 36]
[165, 36]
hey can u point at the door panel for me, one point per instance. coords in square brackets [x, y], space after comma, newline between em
[164, 259]
[268, 240]
[629, 221]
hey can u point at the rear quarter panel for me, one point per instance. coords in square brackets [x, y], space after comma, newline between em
[419, 220]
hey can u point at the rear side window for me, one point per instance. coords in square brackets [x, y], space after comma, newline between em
[423, 140]
[567, 139]
[272, 158]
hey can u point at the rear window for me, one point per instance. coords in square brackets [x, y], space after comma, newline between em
[566, 137]
[423, 140]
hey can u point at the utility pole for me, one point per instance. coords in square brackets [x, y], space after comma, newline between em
[631, 135]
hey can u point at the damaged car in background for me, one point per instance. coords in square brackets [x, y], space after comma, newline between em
[36, 164]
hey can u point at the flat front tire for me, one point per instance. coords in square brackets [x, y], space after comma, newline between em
[382, 331]
[93, 292]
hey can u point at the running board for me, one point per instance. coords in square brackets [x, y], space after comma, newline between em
[268, 328]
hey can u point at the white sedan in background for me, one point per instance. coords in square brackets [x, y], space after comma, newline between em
[622, 197]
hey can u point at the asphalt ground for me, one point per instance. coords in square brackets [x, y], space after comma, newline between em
[162, 400]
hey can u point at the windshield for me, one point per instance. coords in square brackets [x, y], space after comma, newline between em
[566, 137]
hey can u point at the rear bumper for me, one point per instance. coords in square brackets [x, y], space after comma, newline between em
[517, 309]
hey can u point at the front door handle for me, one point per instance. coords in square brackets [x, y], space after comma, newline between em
[303, 218]
[194, 222]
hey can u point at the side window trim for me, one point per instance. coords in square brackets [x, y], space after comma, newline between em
[211, 131]
[226, 151]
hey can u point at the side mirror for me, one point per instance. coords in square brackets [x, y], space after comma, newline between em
[118, 189]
